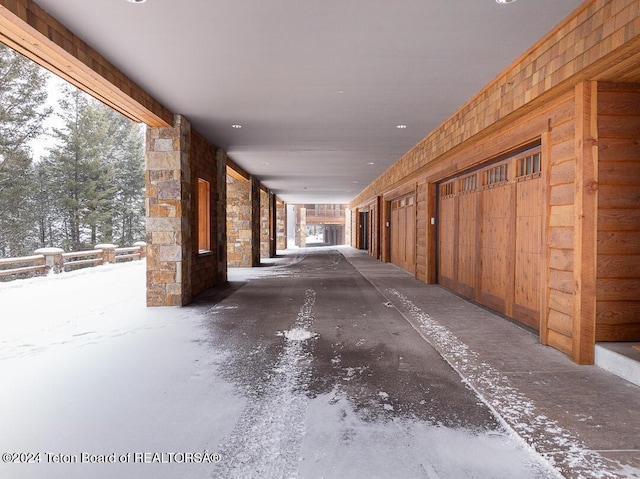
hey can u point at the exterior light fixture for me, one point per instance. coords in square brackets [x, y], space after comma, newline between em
[236, 126]
[370, 163]
[401, 127]
[504, 2]
[136, 1]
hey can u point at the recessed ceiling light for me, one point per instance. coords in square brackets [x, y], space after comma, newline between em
[136, 1]
[370, 163]
[355, 182]
[503, 2]
[401, 127]
[236, 126]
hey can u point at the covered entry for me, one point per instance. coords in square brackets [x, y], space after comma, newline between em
[402, 232]
[490, 235]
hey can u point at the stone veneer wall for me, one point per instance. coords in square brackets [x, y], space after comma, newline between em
[281, 225]
[238, 223]
[168, 208]
[209, 163]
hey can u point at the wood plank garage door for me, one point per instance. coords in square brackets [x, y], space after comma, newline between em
[403, 232]
[490, 236]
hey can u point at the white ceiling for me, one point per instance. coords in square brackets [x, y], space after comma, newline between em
[319, 86]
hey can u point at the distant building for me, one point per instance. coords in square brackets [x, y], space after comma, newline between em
[319, 225]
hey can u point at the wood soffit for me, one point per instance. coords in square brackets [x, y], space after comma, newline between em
[29, 30]
[621, 65]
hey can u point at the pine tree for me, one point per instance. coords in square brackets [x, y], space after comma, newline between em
[22, 113]
[128, 157]
[98, 171]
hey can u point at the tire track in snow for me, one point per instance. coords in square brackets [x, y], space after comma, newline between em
[556, 444]
[267, 439]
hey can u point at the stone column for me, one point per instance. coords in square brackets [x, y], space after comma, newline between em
[108, 252]
[281, 225]
[255, 221]
[264, 224]
[239, 234]
[168, 205]
[273, 227]
[221, 215]
[53, 260]
[301, 239]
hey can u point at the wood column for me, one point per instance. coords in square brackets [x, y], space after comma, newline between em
[586, 223]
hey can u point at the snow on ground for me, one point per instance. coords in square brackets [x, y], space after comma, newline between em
[508, 402]
[89, 373]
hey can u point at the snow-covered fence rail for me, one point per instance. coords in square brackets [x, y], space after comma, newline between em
[55, 260]
[134, 252]
[93, 257]
[11, 266]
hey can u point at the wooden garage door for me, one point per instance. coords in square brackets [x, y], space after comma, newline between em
[403, 232]
[490, 236]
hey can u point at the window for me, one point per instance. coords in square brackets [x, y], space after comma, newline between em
[468, 183]
[528, 165]
[204, 216]
[497, 174]
[446, 189]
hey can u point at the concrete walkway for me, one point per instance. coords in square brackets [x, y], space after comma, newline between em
[581, 419]
[353, 391]
[325, 364]
[584, 419]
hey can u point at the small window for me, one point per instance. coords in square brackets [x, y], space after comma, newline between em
[529, 165]
[495, 175]
[468, 183]
[204, 216]
[446, 189]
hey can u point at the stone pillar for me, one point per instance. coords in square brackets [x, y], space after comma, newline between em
[273, 227]
[239, 232]
[281, 225]
[301, 239]
[108, 252]
[264, 224]
[255, 221]
[221, 215]
[53, 260]
[168, 204]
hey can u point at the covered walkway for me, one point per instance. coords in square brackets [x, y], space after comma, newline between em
[324, 363]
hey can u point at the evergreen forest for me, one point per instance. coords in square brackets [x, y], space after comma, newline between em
[87, 188]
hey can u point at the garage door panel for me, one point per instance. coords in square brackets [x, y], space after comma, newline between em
[528, 247]
[467, 243]
[403, 233]
[496, 251]
[394, 232]
[490, 236]
[446, 242]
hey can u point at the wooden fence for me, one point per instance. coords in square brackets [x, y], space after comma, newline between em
[55, 260]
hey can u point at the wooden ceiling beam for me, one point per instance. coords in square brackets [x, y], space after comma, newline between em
[32, 32]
